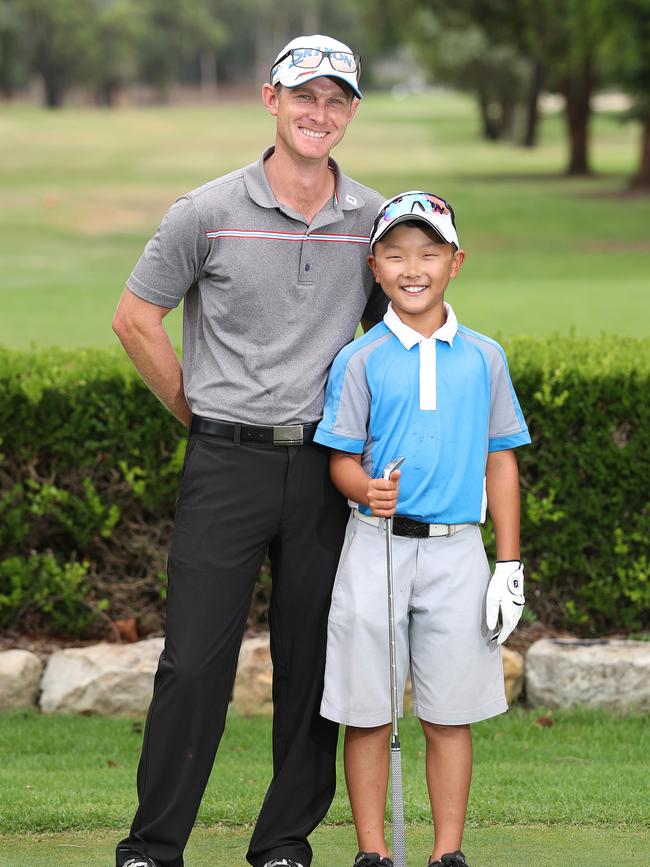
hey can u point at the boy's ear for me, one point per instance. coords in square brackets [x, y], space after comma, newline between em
[373, 265]
[456, 265]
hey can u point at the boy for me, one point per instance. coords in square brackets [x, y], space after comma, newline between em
[422, 386]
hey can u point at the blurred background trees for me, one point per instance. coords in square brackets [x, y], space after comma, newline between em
[504, 52]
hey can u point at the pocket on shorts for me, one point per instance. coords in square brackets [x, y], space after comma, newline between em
[348, 543]
[482, 556]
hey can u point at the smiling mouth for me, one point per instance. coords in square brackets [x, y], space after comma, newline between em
[310, 133]
[413, 290]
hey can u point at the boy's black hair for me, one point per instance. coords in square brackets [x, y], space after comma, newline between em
[419, 224]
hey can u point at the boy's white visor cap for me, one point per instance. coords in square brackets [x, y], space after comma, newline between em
[290, 75]
[440, 223]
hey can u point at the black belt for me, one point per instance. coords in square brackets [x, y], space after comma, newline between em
[274, 435]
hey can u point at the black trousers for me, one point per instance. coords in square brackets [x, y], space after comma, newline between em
[235, 503]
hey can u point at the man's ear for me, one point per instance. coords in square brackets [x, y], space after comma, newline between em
[270, 98]
[373, 266]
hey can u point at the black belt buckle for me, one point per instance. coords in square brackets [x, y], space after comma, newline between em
[408, 527]
[287, 435]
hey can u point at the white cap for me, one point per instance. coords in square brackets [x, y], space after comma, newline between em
[284, 71]
[416, 205]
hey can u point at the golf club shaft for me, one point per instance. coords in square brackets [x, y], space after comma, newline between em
[391, 632]
[399, 843]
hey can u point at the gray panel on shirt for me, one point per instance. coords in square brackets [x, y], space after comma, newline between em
[503, 414]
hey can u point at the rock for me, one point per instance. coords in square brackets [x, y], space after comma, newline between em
[253, 685]
[513, 673]
[103, 678]
[613, 674]
[20, 677]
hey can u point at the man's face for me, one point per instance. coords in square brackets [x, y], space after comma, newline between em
[312, 117]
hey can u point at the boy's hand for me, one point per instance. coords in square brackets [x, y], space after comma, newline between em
[505, 593]
[382, 495]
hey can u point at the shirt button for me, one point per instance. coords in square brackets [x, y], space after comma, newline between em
[307, 267]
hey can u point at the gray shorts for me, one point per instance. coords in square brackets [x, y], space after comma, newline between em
[441, 634]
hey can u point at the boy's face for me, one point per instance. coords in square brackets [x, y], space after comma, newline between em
[414, 268]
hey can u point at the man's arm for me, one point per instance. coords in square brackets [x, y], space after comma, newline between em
[502, 483]
[354, 483]
[138, 324]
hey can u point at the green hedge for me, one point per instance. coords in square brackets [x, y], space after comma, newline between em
[89, 465]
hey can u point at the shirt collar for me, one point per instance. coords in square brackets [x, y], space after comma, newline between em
[408, 337]
[346, 195]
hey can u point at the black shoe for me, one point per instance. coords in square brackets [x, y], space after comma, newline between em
[371, 859]
[282, 862]
[136, 860]
[451, 859]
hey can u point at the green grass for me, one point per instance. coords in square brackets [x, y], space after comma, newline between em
[83, 190]
[540, 794]
[64, 773]
[334, 846]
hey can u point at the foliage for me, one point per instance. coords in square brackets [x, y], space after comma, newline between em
[91, 463]
[59, 34]
[467, 58]
[174, 30]
[58, 593]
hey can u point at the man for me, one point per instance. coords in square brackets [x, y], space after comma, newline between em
[271, 263]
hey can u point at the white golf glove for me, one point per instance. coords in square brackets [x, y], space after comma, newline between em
[505, 594]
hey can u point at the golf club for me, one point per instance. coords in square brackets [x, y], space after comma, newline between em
[399, 844]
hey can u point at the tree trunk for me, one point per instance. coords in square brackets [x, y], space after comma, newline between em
[106, 93]
[641, 180]
[208, 72]
[507, 119]
[529, 139]
[489, 129]
[577, 93]
[53, 93]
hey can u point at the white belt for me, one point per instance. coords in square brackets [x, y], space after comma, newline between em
[434, 529]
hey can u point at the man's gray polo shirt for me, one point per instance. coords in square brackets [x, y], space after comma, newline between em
[269, 300]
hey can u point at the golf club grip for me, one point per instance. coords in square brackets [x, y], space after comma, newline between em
[399, 843]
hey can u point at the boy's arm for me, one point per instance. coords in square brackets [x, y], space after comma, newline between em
[502, 484]
[505, 594]
[354, 483]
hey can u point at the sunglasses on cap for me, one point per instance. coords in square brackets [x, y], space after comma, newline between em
[311, 58]
[408, 203]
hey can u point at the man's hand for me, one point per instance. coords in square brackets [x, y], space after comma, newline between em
[382, 495]
[505, 593]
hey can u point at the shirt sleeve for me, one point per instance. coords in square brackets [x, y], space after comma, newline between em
[508, 428]
[173, 259]
[344, 425]
[376, 305]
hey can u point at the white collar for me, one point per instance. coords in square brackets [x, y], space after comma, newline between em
[408, 337]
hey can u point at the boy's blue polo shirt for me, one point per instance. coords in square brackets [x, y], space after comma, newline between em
[372, 408]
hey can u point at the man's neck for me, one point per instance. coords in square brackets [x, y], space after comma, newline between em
[305, 186]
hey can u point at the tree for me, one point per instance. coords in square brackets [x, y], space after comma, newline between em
[465, 58]
[563, 40]
[118, 25]
[58, 34]
[174, 30]
[14, 70]
[630, 67]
